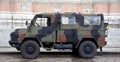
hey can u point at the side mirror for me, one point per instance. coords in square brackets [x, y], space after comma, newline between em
[26, 23]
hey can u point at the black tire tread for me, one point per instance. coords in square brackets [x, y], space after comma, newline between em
[23, 50]
[81, 52]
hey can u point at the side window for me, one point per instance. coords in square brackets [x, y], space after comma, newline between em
[92, 20]
[68, 20]
[41, 22]
[65, 20]
[72, 20]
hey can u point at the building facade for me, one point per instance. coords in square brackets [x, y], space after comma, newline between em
[25, 9]
[82, 6]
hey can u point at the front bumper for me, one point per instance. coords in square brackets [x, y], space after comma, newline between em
[14, 43]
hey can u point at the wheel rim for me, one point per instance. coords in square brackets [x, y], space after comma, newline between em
[30, 50]
[87, 49]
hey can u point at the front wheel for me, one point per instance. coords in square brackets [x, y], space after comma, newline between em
[30, 49]
[87, 49]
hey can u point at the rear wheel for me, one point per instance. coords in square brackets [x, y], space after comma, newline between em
[87, 49]
[30, 49]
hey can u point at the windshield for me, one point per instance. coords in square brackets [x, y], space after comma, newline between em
[29, 24]
[39, 20]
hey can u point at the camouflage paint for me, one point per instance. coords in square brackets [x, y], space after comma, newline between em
[61, 38]
[48, 31]
[18, 35]
[101, 41]
[64, 33]
[88, 34]
[21, 35]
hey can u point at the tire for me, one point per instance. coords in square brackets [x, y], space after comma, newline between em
[30, 49]
[87, 49]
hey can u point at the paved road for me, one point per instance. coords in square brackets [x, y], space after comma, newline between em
[59, 57]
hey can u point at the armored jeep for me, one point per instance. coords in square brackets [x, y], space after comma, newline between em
[82, 33]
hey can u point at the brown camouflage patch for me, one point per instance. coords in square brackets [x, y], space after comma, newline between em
[61, 38]
[88, 34]
[52, 18]
[101, 41]
[21, 36]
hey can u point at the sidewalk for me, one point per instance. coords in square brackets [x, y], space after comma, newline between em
[105, 49]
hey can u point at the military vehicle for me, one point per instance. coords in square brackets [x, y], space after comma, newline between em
[82, 33]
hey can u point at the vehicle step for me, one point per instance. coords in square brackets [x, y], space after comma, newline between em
[63, 46]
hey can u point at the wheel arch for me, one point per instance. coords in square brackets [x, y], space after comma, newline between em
[88, 39]
[30, 38]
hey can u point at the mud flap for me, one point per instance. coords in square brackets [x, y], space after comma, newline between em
[101, 50]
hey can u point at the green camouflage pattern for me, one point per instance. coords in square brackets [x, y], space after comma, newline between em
[63, 28]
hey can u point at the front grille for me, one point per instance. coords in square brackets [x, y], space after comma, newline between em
[14, 36]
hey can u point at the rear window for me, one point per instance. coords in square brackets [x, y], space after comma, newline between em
[92, 20]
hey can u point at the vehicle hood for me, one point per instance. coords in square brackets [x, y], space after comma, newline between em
[18, 34]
